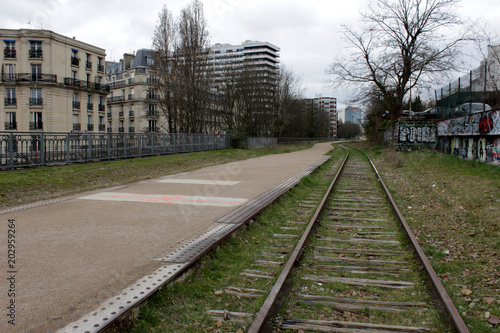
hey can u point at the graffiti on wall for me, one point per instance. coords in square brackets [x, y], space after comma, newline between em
[484, 149]
[417, 134]
[476, 124]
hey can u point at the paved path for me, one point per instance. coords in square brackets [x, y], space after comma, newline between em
[72, 255]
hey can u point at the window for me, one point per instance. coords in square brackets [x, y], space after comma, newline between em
[10, 97]
[36, 97]
[90, 104]
[88, 61]
[36, 121]
[90, 125]
[36, 72]
[100, 64]
[76, 122]
[74, 58]
[10, 72]
[10, 121]
[76, 101]
[152, 126]
[35, 49]
[9, 51]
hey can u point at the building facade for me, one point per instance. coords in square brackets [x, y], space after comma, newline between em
[260, 57]
[325, 107]
[133, 99]
[52, 83]
[354, 115]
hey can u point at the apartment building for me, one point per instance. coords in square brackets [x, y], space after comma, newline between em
[50, 82]
[133, 98]
[260, 57]
[326, 109]
[353, 115]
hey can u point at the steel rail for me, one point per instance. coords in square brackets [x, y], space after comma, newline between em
[439, 289]
[268, 310]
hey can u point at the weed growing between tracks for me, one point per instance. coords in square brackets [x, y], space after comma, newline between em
[453, 207]
[27, 185]
[182, 306]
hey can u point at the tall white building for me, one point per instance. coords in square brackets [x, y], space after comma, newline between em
[262, 57]
[326, 106]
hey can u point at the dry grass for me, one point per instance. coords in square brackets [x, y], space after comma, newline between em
[453, 207]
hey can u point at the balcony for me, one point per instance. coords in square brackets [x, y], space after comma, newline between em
[120, 114]
[36, 126]
[35, 54]
[90, 127]
[76, 127]
[37, 101]
[90, 106]
[29, 77]
[86, 85]
[9, 54]
[88, 65]
[102, 107]
[152, 81]
[153, 114]
[10, 102]
[76, 105]
[102, 128]
[116, 84]
[116, 99]
[131, 129]
[131, 114]
[10, 126]
[75, 61]
[100, 68]
[109, 115]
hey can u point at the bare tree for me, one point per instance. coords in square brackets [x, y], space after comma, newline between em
[164, 44]
[191, 70]
[403, 44]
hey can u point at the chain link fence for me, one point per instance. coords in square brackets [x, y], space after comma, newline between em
[29, 149]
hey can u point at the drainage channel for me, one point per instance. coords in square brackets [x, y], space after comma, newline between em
[176, 263]
[353, 270]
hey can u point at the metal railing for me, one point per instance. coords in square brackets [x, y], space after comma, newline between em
[30, 149]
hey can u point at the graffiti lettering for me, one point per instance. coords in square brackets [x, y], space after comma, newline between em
[415, 134]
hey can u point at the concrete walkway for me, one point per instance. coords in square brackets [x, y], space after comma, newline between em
[72, 255]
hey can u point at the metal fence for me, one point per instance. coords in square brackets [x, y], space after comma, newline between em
[28, 149]
[262, 142]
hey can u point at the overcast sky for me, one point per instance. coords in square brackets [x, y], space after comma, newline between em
[307, 31]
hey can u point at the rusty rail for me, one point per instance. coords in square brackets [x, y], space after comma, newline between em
[268, 310]
[450, 308]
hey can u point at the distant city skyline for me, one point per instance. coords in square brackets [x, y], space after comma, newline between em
[307, 32]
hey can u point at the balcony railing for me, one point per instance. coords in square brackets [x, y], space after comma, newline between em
[76, 127]
[36, 126]
[152, 114]
[86, 85]
[10, 102]
[116, 99]
[131, 129]
[131, 114]
[88, 65]
[120, 114]
[116, 84]
[109, 130]
[75, 61]
[35, 54]
[131, 97]
[10, 126]
[152, 80]
[102, 128]
[9, 54]
[109, 115]
[90, 127]
[90, 106]
[100, 68]
[36, 101]
[76, 105]
[102, 107]
[121, 129]
[29, 77]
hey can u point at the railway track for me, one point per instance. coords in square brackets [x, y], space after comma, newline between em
[357, 267]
